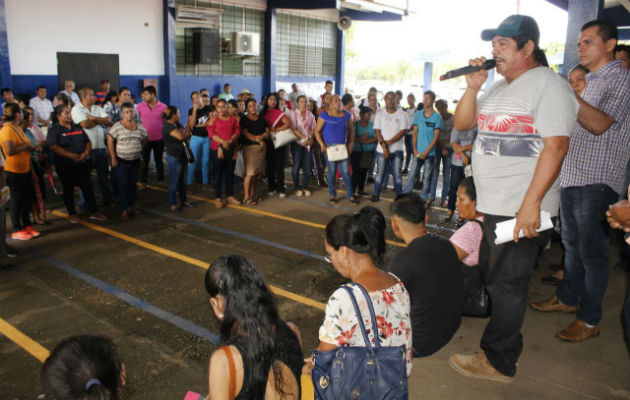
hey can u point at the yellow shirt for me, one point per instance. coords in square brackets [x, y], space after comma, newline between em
[18, 163]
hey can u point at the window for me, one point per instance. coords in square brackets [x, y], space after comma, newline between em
[233, 19]
[305, 46]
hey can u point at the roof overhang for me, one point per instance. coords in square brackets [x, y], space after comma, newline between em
[615, 11]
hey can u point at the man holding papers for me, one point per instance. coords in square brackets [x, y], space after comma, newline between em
[523, 122]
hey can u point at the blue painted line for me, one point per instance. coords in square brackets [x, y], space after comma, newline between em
[131, 299]
[240, 235]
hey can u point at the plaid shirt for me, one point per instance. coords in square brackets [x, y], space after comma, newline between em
[602, 159]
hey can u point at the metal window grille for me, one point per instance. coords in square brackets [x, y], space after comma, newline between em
[233, 19]
[305, 46]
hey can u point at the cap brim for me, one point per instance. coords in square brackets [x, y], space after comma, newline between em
[488, 34]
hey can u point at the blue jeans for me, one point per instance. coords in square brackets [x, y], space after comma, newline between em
[301, 160]
[100, 161]
[345, 175]
[200, 147]
[586, 241]
[385, 166]
[176, 179]
[416, 164]
[127, 176]
[446, 173]
[457, 176]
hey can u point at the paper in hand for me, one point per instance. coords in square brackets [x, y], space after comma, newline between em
[505, 230]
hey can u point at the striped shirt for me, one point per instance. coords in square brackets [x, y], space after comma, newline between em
[512, 120]
[128, 143]
[602, 159]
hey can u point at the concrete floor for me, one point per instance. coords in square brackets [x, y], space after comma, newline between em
[47, 303]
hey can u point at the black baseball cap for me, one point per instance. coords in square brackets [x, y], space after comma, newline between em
[512, 26]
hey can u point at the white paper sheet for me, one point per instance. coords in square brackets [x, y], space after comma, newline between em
[505, 230]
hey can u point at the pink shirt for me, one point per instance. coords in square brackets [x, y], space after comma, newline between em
[223, 129]
[152, 119]
[468, 238]
[305, 124]
[272, 117]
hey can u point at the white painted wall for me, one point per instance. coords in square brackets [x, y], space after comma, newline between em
[38, 29]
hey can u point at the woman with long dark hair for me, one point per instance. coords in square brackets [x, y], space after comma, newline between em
[17, 150]
[355, 244]
[276, 121]
[254, 131]
[264, 350]
[84, 368]
[174, 137]
[224, 133]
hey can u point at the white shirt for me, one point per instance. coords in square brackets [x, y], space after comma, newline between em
[390, 125]
[43, 109]
[96, 134]
[74, 96]
[411, 113]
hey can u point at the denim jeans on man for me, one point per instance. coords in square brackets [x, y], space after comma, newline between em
[345, 175]
[457, 176]
[445, 160]
[301, 160]
[100, 161]
[586, 241]
[200, 147]
[176, 179]
[416, 164]
[127, 176]
[506, 269]
[385, 167]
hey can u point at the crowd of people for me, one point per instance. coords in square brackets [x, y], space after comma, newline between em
[532, 142]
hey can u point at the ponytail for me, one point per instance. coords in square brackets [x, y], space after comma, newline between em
[363, 232]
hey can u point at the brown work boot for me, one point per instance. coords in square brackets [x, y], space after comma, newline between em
[552, 305]
[577, 332]
[477, 366]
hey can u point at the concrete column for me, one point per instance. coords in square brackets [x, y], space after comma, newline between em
[341, 62]
[269, 83]
[428, 76]
[5, 65]
[167, 87]
[580, 12]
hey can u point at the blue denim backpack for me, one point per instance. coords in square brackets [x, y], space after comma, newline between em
[353, 372]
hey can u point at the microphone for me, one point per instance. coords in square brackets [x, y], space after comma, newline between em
[489, 64]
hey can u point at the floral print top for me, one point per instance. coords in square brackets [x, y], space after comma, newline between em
[392, 310]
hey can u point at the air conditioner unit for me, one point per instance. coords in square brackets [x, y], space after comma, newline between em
[245, 44]
[192, 16]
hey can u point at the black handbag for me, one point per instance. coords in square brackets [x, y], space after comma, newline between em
[476, 300]
[361, 372]
[190, 157]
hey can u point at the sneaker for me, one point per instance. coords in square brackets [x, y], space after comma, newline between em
[428, 204]
[477, 366]
[282, 195]
[444, 203]
[98, 217]
[299, 193]
[374, 199]
[21, 235]
[307, 193]
[32, 231]
[73, 218]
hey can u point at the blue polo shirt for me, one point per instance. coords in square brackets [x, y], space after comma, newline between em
[426, 130]
[72, 140]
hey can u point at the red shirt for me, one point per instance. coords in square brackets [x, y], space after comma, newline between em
[224, 129]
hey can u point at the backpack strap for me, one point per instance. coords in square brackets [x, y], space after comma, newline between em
[232, 369]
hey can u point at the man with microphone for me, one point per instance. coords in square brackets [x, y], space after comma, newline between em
[523, 122]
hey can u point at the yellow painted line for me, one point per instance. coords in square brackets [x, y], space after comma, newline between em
[32, 347]
[193, 261]
[267, 214]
